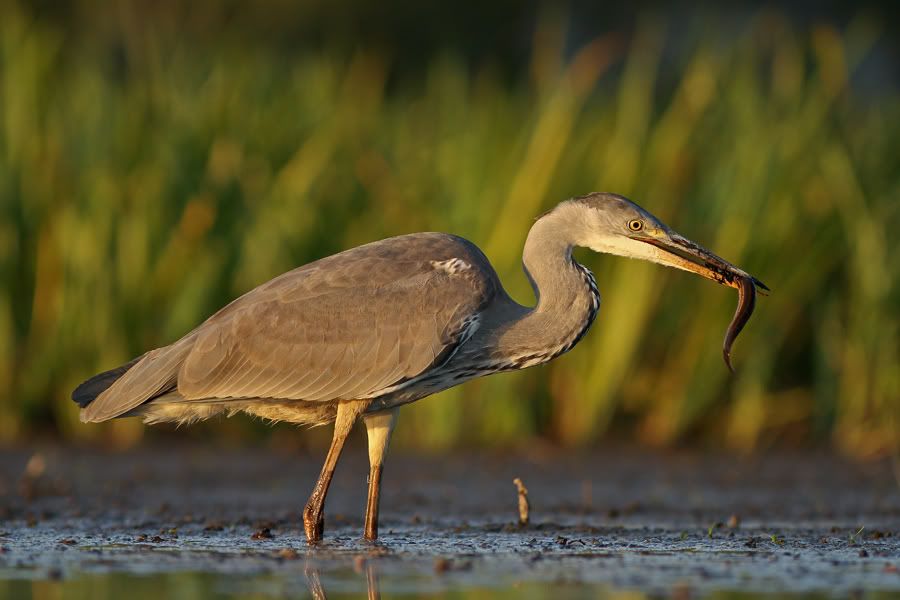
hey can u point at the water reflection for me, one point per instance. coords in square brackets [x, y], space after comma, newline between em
[372, 581]
[366, 566]
[202, 586]
[314, 582]
[346, 581]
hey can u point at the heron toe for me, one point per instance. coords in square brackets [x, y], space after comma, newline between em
[313, 524]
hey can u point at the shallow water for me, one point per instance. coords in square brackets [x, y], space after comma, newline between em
[193, 522]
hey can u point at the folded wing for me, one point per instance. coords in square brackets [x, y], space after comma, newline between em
[348, 326]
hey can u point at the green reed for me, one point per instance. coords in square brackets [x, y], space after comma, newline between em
[135, 201]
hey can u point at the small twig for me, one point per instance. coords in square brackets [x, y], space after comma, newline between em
[523, 501]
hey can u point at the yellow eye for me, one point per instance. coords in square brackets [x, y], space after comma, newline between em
[635, 224]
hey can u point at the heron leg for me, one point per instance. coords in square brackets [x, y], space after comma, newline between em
[378, 428]
[313, 514]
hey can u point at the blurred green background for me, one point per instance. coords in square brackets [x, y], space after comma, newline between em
[159, 159]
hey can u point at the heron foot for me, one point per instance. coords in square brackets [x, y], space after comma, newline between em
[313, 523]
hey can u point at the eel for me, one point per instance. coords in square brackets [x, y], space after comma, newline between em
[746, 288]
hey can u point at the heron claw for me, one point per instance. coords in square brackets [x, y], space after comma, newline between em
[313, 524]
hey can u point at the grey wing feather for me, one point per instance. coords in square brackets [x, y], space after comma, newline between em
[154, 374]
[353, 340]
[347, 326]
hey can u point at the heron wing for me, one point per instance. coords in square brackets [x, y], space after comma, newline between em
[345, 328]
[348, 326]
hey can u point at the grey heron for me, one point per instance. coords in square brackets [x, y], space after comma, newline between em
[363, 332]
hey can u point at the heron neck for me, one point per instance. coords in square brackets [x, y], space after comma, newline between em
[566, 296]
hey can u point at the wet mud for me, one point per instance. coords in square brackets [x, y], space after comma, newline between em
[615, 520]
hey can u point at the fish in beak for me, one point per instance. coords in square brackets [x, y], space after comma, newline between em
[681, 253]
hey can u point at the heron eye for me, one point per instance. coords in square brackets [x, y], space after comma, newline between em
[635, 225]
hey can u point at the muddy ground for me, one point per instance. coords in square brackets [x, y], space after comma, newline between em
[212, 522]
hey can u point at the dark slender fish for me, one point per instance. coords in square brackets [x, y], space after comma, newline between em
[746, 303]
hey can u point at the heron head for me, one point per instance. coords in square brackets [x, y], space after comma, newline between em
[613, 224]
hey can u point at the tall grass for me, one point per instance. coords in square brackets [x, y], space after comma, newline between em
[141, 189]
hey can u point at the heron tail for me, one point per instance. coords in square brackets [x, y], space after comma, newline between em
[116, 392]
[85, 393]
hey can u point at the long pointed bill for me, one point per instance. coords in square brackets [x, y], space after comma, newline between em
[682, 253]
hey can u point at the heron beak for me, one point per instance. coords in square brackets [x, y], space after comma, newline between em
[681, 253]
